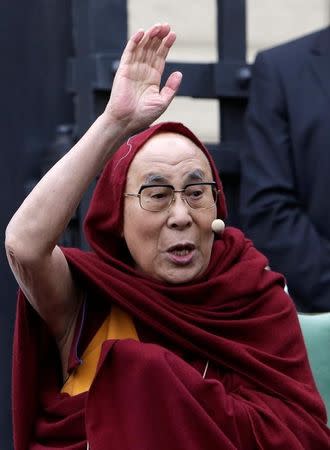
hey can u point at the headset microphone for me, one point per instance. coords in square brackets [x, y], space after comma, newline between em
[218, 226]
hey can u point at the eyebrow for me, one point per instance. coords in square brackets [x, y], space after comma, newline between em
[195, 175]
[155, 178]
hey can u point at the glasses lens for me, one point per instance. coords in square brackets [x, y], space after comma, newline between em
[200, 195]
[156, 198]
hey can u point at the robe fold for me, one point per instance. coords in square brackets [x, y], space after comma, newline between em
[151, 395]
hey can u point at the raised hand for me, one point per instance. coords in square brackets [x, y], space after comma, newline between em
[136, 99]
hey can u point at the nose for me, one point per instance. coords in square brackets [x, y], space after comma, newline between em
[179, 213]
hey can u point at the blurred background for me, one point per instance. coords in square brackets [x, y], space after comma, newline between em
[59, 58]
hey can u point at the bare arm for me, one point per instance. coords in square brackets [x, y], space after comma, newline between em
[31, 236]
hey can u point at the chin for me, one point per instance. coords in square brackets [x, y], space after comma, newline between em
[179, 276]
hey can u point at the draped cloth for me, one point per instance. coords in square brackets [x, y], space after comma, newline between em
[145, 395]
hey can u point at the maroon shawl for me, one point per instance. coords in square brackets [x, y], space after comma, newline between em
[237, 316]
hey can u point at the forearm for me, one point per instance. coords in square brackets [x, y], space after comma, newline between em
[37, 225]
[136, 101]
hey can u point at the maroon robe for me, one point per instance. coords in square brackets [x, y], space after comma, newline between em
[150, 395]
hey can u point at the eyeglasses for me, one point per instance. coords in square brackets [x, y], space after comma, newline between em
[159, 197]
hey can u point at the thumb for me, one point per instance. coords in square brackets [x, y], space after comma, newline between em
[171, 87]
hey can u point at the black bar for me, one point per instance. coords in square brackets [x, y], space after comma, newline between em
[231, 30]
[84, 111]
[231, 16]
[99, 26]
[214, 80]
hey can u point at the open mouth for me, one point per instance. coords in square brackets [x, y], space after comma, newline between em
[181, 254]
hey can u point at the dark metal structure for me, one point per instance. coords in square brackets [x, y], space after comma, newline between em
[35, 43]
[94, 65]
[57, 77]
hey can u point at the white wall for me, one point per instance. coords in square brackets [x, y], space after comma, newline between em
[272, 22]
[269, 22]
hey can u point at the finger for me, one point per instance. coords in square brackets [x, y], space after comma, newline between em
[166, 45]
[160, 57]
[139, 53]
[151, 49]
[156, 30]
[144, 46]
[171, 87]
[137, 37]
[164, 30]
[154, 37]
[157, 53]
[140, 43]
[131, 46]
[156, 56]
[150, 35]
[159, 29]
[147, 49]
[169, 40]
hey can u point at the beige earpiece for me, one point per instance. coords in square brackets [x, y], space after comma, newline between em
[218, 226]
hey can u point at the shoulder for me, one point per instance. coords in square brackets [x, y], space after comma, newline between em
[289, 53]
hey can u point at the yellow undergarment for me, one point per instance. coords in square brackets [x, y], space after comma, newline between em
[117, 325]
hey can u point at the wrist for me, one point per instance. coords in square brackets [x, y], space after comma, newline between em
[111, 132]
[112, 127]
[126, 121]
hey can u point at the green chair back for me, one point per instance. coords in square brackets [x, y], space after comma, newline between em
[316, 332]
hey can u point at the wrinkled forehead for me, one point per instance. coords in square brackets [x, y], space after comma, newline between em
[165, 153]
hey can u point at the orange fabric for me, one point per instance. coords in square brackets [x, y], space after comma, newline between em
[117, 325]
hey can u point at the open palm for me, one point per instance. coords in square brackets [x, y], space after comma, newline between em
[136, 97]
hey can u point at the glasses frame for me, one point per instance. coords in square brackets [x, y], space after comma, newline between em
[213, 185]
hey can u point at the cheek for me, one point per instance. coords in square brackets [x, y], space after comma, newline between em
[206, 233]
[205, 222]
[206, 244]
[141, 233]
